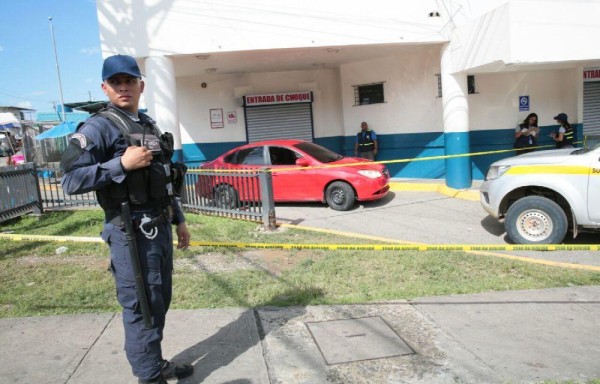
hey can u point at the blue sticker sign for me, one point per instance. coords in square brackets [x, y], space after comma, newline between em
[523, 103]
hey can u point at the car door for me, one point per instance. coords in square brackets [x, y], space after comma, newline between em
[291, 182]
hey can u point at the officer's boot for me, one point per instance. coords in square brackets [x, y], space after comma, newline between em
[170, 370]
[158, 380]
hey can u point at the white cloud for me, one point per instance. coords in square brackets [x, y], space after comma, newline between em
[1, 48]
[89, 81]
[89, 51]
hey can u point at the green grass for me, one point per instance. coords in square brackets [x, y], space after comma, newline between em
[38, 281]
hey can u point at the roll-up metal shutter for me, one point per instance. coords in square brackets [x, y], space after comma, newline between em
[282, 121]
[591, 108]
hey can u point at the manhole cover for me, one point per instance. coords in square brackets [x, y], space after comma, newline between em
[343, 341]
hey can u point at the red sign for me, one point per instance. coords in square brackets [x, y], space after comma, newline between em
[278, 98]
[591, 74]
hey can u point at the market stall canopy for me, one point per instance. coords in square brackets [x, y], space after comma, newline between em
[7, 121]
[63, 129]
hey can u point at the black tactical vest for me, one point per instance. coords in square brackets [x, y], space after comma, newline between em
[145, 188]
[365, 141]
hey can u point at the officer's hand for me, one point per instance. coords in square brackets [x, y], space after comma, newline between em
[183, 236]
[136, 157]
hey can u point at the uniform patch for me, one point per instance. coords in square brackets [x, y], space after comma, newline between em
[79, 139]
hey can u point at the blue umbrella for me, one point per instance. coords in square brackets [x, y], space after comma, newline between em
[63, 129]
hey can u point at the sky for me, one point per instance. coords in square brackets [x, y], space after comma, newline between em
[28, 70]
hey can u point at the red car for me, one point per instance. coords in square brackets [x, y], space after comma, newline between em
[298, 175]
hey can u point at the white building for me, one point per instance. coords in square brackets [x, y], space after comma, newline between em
[223, 73]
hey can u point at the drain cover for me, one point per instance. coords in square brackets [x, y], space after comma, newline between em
[343, 341]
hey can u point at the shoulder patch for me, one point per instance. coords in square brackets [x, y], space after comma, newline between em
[79, 139]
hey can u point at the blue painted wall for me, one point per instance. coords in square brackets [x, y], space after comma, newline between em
[399, 148]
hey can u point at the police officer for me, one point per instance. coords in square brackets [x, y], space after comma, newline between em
[365, 145]
[120, 153]
[565, 136]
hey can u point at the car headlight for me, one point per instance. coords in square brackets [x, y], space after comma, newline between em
[496, 171]
[370, 174]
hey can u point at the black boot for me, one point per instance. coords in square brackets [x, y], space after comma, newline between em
[170, 370]
[158, 380]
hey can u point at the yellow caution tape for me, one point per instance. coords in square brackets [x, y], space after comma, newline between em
[441, 157]
[336, 247]
[78, 239]
[477, 249]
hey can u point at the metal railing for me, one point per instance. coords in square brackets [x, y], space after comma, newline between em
[53, 196]
[19, 191]
[241, 193]
[244, 194]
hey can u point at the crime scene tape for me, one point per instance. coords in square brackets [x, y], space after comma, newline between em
[441, 157]
[335, 247]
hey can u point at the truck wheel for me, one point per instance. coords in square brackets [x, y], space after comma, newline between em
[536, 220]
[340, 196]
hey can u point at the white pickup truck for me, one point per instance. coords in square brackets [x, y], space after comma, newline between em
[541, 195]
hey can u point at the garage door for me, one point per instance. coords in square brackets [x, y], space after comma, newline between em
[279, 121]
[591, 108]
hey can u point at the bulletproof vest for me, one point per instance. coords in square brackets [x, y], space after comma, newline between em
[365, 141]
[568, 138]
[149, 187]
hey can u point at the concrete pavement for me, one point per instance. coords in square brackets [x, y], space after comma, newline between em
[496, 337]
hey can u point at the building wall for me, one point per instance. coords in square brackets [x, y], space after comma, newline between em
[409, 124]
[202, 143]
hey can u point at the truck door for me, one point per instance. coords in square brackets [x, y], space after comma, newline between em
[593, 195]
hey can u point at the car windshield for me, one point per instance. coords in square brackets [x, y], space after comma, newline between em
[589, 146]
[322, 154]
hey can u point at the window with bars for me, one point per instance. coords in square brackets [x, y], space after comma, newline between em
[368, 94]
[470, 84]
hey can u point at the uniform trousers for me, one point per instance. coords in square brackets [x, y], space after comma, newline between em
[143, 346]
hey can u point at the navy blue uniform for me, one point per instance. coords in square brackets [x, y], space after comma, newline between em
[94, 165]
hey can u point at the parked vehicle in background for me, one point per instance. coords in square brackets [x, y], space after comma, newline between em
[542, 195]
[302, 172]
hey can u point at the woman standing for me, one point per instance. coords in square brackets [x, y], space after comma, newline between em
[564, 136]
[526, 134]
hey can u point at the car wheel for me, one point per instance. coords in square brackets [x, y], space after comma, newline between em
[340, 196]
[536, 220]
[226, 196]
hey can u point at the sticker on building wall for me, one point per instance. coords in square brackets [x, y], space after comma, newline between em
[523, 103]
[216, 118]
[591, 74]
[231, 118]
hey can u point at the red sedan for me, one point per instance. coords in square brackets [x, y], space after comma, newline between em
[302, 172]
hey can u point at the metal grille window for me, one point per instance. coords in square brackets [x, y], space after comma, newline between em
[368, 94]
[470, 84]
[439, 84]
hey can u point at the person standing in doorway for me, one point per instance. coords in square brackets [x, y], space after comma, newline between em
[365, 145]
[121, 154]
[564, 137]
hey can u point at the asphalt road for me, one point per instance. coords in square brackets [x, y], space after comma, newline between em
[425, 217]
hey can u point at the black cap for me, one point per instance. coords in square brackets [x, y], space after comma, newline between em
[116, 64]
[561, 117]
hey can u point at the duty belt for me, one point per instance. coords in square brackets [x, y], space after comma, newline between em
[144, 223]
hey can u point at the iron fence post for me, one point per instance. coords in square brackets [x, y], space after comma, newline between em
[39, 209]
[266, 194]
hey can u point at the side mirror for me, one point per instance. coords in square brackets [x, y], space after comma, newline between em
[303, 162]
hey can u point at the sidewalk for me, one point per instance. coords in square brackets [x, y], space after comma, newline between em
[496, 337]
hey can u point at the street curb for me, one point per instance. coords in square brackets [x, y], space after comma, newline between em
[464, 194]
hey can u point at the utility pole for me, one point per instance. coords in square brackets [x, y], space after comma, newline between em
[57, 70]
